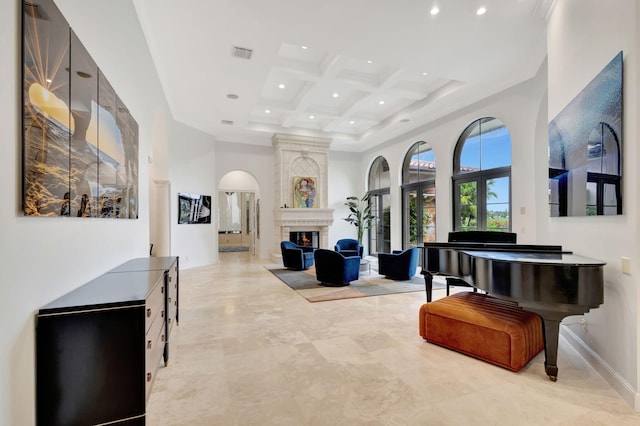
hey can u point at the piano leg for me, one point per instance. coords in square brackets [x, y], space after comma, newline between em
[551, 334]
[428, 284]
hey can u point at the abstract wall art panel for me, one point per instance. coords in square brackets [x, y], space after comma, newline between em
[194, 208]
[80, 143]
[585, 149]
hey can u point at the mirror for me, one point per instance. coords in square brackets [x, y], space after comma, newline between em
[235, 220]
[585, 149]
[230, 213]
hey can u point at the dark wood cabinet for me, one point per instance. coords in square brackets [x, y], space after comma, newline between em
[170, 266]
[98, 347]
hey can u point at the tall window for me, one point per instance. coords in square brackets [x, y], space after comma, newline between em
[419, 195]
[379, 188]
[604, 192]
[600, 152]
[482, 177]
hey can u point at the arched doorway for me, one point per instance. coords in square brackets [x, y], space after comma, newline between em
[238, 217]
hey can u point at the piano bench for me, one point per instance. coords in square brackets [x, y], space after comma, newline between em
[484, 327]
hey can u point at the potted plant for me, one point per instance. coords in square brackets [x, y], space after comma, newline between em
[360, 214]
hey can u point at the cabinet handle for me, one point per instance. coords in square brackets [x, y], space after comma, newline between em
[149, 376]
[169, 278]
[148, 312]
[161, 314]
[149, 344]
[162, 338]
[162, 289]
[169, 300]
[169, 321]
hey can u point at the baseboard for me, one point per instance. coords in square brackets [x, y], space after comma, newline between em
[615, 380]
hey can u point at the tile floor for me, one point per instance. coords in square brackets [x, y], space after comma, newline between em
[250, 351]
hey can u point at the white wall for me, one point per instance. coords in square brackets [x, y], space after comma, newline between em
[44, 258]
[518, 108]
[346, 179]
[583, 36]
[576, 54]
[258, 161]
[192, 163]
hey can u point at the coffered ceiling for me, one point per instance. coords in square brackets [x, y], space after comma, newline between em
[360, 72]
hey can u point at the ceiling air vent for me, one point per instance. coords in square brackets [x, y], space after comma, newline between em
[227, 122]
[241, 52]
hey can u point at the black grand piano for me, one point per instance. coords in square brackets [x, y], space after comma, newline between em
[541, 278]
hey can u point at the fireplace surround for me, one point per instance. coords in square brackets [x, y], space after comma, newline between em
[295, 157]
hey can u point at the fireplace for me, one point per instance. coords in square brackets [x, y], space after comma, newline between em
[297, 157]
[305, 238]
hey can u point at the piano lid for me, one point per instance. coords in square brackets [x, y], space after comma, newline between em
[562, 258]
[460, 245]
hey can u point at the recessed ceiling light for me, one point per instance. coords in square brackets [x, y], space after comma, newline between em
[281, 86]
[312, 117]
[352, 122]
[435, 10]
[49, 80]
[381, 102]
[425, 74]
[369, 61]
[304, 47]
[232, 96]
[267, 111]
[335, 95]
[481, 11]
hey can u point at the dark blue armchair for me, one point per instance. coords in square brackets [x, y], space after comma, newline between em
[333, 269]
[349, 247]
[295, 256]
[399, 265]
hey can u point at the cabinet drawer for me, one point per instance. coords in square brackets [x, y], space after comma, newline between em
[155, 336]
[172, 299]
[155, 305]
[155, 340]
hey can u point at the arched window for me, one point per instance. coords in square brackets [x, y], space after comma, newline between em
[482, 177]
[604, 178]
[380, 200]
[419, 195]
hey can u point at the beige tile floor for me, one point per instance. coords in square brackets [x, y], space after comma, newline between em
[250, 351]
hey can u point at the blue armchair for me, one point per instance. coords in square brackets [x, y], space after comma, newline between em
[333, 269]
[399, 265]
[295, 256]
[349, 247]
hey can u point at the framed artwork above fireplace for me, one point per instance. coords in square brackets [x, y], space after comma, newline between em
[304, 192]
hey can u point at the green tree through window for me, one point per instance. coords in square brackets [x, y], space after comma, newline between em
[482, 175]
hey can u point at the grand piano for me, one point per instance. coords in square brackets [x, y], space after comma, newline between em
[540, 278]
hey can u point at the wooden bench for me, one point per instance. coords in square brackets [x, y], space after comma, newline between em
[484, 327]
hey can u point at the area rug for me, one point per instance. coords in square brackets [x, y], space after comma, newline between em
[233, 249]
[368, 284]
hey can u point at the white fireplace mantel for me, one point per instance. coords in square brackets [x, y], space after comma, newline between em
[289, 220]
[310, 217]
